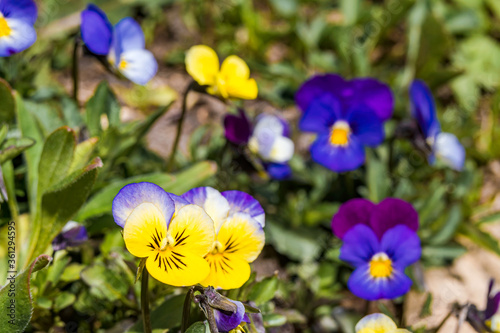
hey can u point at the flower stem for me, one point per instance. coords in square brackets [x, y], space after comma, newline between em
[179, 126]
[146, 318]
[186, 310]
[75, 71]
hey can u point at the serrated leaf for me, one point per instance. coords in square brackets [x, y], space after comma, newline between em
[18, 296]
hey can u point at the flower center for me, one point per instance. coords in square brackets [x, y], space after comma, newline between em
[5, 30]
[339, 135]
[380, 266]
[166, 242]
[123, 65]
[218, 248]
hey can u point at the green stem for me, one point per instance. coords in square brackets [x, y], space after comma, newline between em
[146, 318]
[75, 71]
[186, 310]
[179, 126]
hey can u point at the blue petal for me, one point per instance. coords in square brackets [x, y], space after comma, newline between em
[366, 126]
[321, 114]
[130, 35]
[24, 10]
[141, 66]
[450, 150]
[402, 245]
[212, 201]
[363, 285]
[97, 31]
[278, 171]
[179, 202]
[132, 195]
[338, 158]
[229, 321]
[22, 36]
[359, 246]
[423, 108]
[241, 202]
[317, 86]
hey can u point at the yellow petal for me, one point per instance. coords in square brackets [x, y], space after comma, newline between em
[242, 236]
[145, 229]
[242, 89]
[234, 66]
[376, 323]
[227, 271]
[193, 231]
[177, 268]
[234, 79]
[202, 64]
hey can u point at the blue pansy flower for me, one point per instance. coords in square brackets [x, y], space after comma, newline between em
[123, 44]
[73, 234]
[17, 33]
[347, 116]
[444, 146]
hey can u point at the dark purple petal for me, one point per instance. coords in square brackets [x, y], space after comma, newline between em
[402, 245]
[373, 94]
[229, 321]
[237, 129]
[241, 202]
[493, 302]
[321, 114]
[278, 171]
[351, 213]
[97, 31]
[423, 109]
[338, 158]
[317, 86]
[366, 126]
[360, 244]
[132, 195]
[24, 10]
[391, 212]
[73, 234]
[363, 285]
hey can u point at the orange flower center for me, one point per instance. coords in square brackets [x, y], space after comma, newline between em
[339, 135]
[380, 266]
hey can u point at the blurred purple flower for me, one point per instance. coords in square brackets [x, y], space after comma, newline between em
[380, 241]
[492, 302]
[17, 33]
[443, 145]
[73, 234]
[346, 115]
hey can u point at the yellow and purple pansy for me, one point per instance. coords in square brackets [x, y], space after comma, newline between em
[239, 221]
[173, 235]
[17, 33]
[444, 146]
[123, 44]
[378, 323]
[347, 116]
[380, 241]
[232, 80]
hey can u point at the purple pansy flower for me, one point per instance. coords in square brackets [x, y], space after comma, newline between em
[380, 241]
[443, 145]
[346, 115]
[269, 139]
[229, 321]
[123, 44]
[73, 234]
[492, 302]
[17, 33]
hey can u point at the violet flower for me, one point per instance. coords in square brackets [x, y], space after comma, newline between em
[73, 234]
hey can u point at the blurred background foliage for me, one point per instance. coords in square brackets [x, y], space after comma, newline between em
[454, 45]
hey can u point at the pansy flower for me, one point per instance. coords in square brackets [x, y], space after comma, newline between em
[380, 241]
[491, 315]
[378, 323]
[239, 222]
[123, 44]
[174, 236]
[73, 234]
[232, 80]
[229, 314]
[17, 33]
[444, 146]
[347, 116]
[269, 139]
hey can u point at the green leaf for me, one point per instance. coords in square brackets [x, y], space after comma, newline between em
[480, 237]
[274, 320]
[13, 147]
[63, 300]
[83, 152]
[350, 10]
[15, 298]
[377, 178]
[198, 327]
[299, 245]
[264, 290]
[449, 228]
[173, 306]
[183, 181]
[8, 105]
[103, 102]
[4, 130]
[105, 282]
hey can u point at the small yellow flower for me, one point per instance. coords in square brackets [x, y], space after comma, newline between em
[378, 323]
[231, 81]
[494, 323]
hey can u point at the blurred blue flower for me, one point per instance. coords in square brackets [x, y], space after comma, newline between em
[346, 115]
[17, 33]
[123, 44]
[269, 139]
[444, 146]
[73, 234]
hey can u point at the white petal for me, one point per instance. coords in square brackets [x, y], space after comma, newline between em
[282, 150]
[450, 150]
[139, 66]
